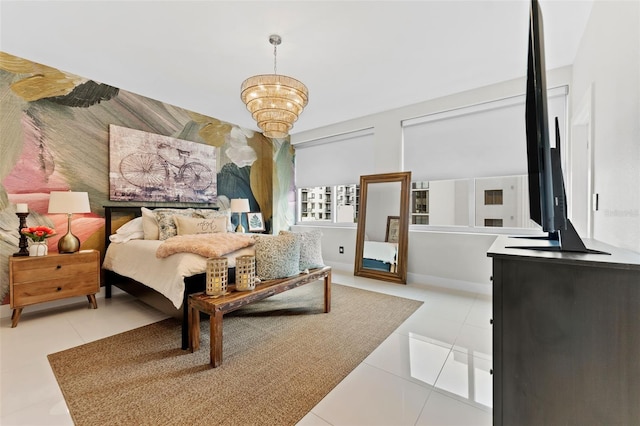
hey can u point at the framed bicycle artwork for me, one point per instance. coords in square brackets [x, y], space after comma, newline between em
[255, 221]
[148, 167]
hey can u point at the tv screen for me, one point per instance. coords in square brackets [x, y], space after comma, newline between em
[547, 199]
[541, 201]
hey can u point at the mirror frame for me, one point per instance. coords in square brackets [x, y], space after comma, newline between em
[400, 276]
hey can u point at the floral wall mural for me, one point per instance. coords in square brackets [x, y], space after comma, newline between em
[54, 136]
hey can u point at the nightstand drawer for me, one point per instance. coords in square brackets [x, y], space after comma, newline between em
[48, 268]
[52, 289]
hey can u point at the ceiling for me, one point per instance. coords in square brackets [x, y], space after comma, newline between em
[356, 58]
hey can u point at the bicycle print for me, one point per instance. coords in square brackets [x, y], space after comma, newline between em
[149, 167]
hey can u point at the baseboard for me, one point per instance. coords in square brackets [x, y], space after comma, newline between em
[342, 267]
[451, 284]
[429, 280]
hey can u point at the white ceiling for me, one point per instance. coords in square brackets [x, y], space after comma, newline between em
[356, 58]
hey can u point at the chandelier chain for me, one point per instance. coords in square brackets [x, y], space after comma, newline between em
[275, 55]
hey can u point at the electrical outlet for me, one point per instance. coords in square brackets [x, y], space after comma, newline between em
[341, 250]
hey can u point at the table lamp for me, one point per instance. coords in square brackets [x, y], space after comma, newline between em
[69, 202]
[239, 205]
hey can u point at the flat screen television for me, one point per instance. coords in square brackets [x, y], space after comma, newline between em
[547, 195]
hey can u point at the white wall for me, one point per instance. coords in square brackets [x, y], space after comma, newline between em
[455, 260]
[608, 64]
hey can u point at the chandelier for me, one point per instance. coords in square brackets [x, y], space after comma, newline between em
[275, 101]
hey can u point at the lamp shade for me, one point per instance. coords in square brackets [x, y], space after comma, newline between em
[239, 205]
[69, 202]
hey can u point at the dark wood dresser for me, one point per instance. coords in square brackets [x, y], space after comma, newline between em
[566, 335]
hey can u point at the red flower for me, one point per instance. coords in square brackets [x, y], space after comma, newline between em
[38, 233]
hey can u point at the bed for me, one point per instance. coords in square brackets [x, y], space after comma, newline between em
[164, 283]
[380, 256]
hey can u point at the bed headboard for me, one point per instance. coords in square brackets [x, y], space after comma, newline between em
[108, 219]
[133, 211]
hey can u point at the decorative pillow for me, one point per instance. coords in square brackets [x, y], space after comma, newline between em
[149, 224]
[210, 214]
[277, 256]
[310, 249]
[166, 226]
[197, 225]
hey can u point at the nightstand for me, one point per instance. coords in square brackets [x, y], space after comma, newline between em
[52, 277]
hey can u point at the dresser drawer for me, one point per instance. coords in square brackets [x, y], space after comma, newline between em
[42, 279]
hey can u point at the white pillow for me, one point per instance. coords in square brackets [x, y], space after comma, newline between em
[121, 238]
[131, 230]
[134, 225]
[149, 224]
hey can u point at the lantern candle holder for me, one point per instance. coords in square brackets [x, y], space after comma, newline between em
[217, 276]
[245, 273]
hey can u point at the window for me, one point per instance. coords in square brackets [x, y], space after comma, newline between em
[483, 140]
[336, 160]
[346, 157]
[470, 165]
[492, 197]
[463, 202]
[346, 204]
[420, 203]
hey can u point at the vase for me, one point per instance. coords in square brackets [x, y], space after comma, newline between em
[38, 248]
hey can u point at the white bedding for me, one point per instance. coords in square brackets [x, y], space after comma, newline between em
[137, 259]
[384, 252]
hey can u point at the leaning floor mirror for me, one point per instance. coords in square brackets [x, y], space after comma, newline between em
[383, 227]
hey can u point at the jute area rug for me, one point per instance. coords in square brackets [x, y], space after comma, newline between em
[281, 356]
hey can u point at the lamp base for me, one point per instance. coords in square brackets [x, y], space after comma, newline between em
[240, 228]
[69, 243]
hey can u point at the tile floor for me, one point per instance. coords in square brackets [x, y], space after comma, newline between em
[433, 370]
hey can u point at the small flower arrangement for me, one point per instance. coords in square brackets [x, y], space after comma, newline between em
[38, 233]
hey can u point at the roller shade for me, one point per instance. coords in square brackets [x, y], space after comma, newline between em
[337, 160]
[482, 140]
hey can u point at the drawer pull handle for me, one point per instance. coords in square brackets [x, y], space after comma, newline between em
[59, 266]
[59, 288]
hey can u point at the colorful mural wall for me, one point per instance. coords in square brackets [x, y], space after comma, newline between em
[54, 136]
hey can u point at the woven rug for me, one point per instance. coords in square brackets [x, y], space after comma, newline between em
[281, 356]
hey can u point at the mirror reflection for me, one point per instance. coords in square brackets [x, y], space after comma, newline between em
[381, 245]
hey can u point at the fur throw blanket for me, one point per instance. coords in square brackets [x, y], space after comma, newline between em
[206, 245]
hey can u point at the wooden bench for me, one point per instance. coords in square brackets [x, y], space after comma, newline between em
[216, 307]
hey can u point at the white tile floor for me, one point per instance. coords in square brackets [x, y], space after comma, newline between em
[433, 370]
